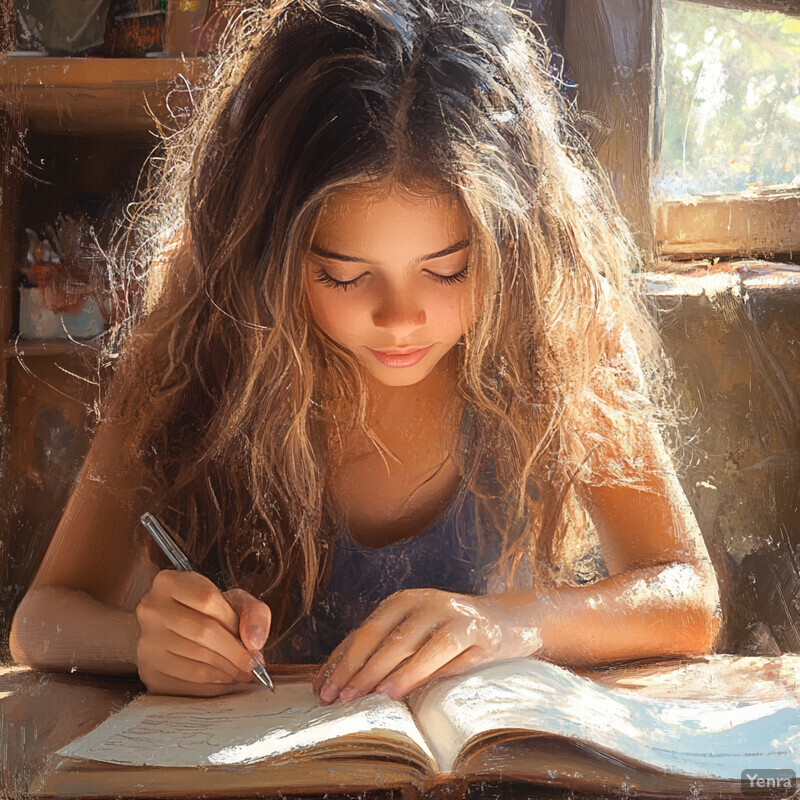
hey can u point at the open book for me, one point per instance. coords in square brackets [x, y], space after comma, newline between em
[519, 719]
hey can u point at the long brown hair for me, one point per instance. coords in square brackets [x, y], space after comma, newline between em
[221, 380]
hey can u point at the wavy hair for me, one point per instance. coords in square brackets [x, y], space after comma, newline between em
[224, 380]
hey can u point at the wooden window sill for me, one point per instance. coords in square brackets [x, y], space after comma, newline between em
[750, 223]
[696, 278]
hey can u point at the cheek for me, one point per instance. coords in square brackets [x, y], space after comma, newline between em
[446, 314]
[453, 314]
[460, 311]
[332, 313]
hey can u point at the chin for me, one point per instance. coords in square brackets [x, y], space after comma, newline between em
[405, 376]
[408, 376]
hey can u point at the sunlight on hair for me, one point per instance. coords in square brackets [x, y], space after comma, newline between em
[225, 383]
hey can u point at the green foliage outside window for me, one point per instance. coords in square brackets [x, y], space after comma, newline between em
[730, 99]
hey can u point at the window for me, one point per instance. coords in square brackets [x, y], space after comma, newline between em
[728, 125]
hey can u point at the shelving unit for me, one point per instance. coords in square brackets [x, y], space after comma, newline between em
[97, 95]
[99, 104]
[25, 348]
[72, 131]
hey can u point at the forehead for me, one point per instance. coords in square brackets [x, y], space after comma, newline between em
[369, 217]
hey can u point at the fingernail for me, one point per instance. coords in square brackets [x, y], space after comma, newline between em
[387, 688]
[257, 637]
[329, 692]
[322, 674]
[349, 693]
[260, 656]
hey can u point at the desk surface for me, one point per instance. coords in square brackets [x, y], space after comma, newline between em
[41, 712]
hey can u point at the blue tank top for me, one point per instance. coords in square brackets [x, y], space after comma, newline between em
[446, 556]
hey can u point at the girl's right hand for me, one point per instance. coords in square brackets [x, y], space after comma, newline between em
[189, 635]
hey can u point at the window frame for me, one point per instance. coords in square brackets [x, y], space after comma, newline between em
[615, 51]
[754, 222]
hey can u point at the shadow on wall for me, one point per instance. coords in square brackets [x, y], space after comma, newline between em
[734, 335]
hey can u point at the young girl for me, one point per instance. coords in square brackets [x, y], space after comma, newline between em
[388, 339]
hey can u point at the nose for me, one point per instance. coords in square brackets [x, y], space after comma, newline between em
[400, 311]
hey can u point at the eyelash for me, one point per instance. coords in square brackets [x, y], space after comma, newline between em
[327, 280]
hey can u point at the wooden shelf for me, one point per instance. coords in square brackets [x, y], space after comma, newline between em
[50, 347]
[96, 95]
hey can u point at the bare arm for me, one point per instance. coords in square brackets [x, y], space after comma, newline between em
[79, 611]
[60, 629]
[660, 599]
[102, 603]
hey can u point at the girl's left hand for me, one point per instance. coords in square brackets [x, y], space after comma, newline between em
[416, 634]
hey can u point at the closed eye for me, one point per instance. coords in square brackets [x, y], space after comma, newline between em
[450, 279]
[328, 280]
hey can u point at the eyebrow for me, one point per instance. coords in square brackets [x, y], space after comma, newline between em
[453, 248]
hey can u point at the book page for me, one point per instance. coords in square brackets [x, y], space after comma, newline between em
[244, 727]
[702, 738]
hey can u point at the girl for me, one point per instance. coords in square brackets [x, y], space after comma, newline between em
[388, 340]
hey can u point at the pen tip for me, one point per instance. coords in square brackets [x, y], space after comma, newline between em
[263, 676]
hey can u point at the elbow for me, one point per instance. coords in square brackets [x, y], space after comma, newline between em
[702, 616]
[26, 642]
[703, 629]
[685, 617]
[19, 635]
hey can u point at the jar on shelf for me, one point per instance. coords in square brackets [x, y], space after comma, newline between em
[58, 28]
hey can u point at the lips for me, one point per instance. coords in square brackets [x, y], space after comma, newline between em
[401, 358]
[399, 352]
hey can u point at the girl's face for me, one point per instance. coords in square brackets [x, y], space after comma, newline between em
[388, 278]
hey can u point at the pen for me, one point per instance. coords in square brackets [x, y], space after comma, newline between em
[181, 562]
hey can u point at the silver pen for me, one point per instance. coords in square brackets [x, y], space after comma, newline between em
[181, 562]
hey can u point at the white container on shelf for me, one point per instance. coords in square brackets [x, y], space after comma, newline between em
[36, 321]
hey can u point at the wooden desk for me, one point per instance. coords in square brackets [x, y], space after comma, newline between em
[41, 712]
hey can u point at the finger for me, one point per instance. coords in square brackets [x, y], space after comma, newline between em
[402, 643]
[466, 660]
[159, 683]
[328, 668]
[191, 671]
[359, 646]
[197, 592]
[208, 633]
[322, 674]
[255, 618]
[186, 648]
[168, 625]
[441, 648]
